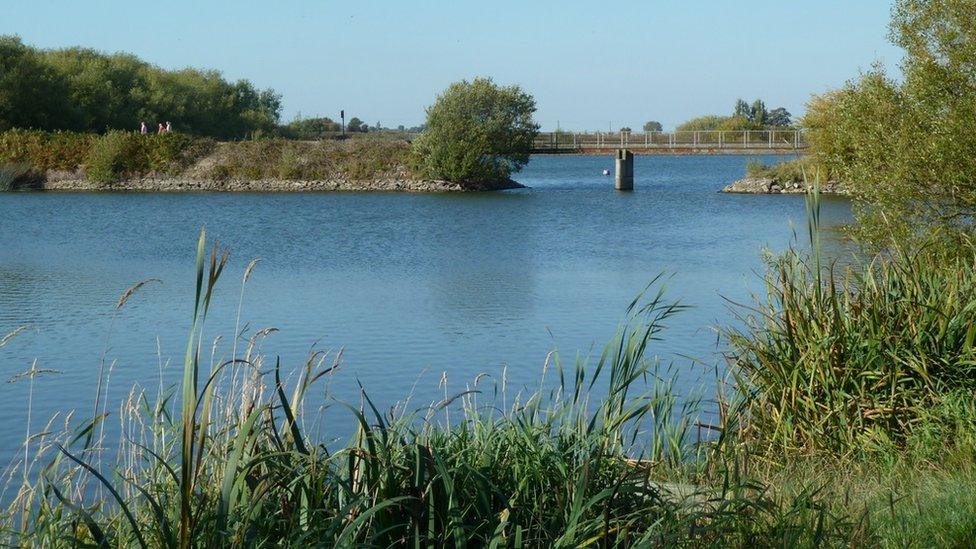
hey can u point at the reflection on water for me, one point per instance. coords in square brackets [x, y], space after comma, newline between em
[404, 283]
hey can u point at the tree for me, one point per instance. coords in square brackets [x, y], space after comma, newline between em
[477, 131]
[625, 129]
[354, 125]
[653, 126]
[757, 113]
[310, 128]
[703, 123]
[32, 94]
[85, 90]
[779, 118]
[906, 146]
[742, 109]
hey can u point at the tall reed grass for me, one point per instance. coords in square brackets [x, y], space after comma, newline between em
[855, 359]
[593, 455]
[835, 365]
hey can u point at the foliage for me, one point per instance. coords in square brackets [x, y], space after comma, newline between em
[45, 151]
[353, 159]
[232, 465]
[906, 146]
[477, 131]
[310, 128]
[653, 126]
[744, 117]
[790, 171]
[702, 123]
[851, 362]
[117, 155]
[757, 113]
[87, 91]
[14, 177]
[355, 125]
[742, 109]
[593, 456]
[779, 118]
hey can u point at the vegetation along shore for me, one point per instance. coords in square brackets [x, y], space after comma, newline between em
[844, 411]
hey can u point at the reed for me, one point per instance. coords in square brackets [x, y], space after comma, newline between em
[853, 392]
[601, 454]
[848, 360]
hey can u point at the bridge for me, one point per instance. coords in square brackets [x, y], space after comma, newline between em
[771, 141]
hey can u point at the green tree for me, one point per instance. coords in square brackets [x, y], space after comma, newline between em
[354, 125]
[310, 128]
[477, 131]
[86, 90]
[32, 94]
[757, 113]
[703, 123]
[779, 118]
[653, 126]
[906, 146]
[742, 109]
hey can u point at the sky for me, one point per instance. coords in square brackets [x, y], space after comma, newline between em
[591, 65]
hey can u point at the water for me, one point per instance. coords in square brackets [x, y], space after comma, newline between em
[410, 285]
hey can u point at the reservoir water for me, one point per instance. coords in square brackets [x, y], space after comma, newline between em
[410, 286]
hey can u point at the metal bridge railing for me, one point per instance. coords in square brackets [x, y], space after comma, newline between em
[777, 139]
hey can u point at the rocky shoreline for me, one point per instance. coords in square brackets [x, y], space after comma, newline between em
[768, 185]
[61, 181]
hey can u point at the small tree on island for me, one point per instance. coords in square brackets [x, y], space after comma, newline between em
[477, 131]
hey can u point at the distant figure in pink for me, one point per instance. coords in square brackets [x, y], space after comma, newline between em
[160, 129]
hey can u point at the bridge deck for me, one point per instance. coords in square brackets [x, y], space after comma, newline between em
[697, 142]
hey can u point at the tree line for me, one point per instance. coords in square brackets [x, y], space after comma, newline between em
[745, 116]
[80, 89]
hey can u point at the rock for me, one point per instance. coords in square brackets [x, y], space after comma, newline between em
[766, 185]
[76, 182]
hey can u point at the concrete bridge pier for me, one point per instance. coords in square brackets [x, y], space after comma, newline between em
[624, 179]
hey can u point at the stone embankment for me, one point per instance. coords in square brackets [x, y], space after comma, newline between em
[61, 181]
[768, 185]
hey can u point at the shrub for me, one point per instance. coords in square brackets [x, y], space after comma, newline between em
[477, 132]
[853, 361]
[15, 177]
[45, 150]
[789, 171]
[321, 161]
[117, 155]
[702, 123]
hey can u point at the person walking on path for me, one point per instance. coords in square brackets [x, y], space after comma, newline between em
[143, 129]
[169, 127]
[160, 129]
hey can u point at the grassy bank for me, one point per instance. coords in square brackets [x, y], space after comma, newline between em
[846, 420]
[107, 160]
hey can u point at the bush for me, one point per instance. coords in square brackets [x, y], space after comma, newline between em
[113, 156]
[319, 161]
[14, 177]
[853, 362]
[789, 171]
[117, 155]
[702, 123]
[45, 151]
[477, 132]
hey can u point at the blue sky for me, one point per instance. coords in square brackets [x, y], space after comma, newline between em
[590, 65]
